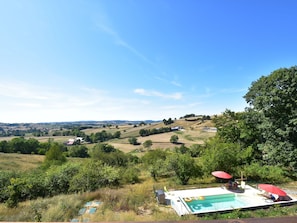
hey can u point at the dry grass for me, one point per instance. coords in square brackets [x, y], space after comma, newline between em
[19, 162]
[133, 203]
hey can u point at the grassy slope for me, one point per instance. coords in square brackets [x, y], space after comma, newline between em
[19, 162]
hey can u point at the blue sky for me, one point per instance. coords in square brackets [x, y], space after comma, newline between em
[73, 60]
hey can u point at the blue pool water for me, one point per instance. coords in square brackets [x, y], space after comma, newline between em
[214, 203]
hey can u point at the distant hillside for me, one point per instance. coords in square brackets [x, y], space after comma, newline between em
[191, 131]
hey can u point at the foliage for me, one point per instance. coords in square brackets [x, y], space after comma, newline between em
[130, 175]
[147, 144]
[168, 122]
[20, 145]
[93, 175]
[25, 187]
[184, 167]
[58, 178]
[55, 155]
[219, 155]
[78, 151]
[133, 141]
[174, 139]
[154, 161]
[5, 177]
[147, 132]
[196, 150]
[274, 96]
[109, 155]
[240, 128]
[103, 136]
[269, 174]
[182, 149]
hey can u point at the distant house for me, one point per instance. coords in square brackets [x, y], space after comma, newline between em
[176, 128]
[77, 140]
[70, 142]
[80, 139]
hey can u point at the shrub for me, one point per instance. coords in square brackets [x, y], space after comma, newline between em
[130, 175]
[269, 174]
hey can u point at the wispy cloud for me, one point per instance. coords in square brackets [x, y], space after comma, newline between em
[176, 83]
[22, 90]
[167, 81]
[233, 90]
[151, 93]
[118, 40]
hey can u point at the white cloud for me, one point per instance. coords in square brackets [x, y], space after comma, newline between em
[140, 91]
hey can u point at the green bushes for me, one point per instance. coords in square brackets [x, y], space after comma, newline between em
[269, 174]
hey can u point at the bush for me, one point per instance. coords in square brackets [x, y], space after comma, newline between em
[130, 175]
[269, 174]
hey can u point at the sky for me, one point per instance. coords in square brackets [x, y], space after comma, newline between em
[81, 60]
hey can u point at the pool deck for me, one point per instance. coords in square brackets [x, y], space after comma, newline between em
[251, 196]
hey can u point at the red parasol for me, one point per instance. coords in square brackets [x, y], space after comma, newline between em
[221, 174]
[272, 189]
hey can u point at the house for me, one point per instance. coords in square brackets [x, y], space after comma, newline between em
[77, 140]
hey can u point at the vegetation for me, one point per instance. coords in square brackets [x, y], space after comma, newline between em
[147, 144]
[261, 142]
[147, 132]
[174, 139]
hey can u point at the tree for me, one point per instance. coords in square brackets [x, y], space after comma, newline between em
[174, 139]
[133, 141]
[78, 151]
[144, 132]
[109, 155]
[4, 147]
[168, 122]
[147, 144]
[274, 97]
[219, 155]
[54, 155]
[184, 167]
[104, 147]
[117, 134]
[154, 161]
[241, 128]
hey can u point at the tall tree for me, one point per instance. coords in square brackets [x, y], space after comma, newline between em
[275, 97]
[54, 155]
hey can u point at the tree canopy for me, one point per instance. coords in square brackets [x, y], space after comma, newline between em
[275, 98]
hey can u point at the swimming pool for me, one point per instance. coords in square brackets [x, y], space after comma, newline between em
[218, 199]
[214, 203]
